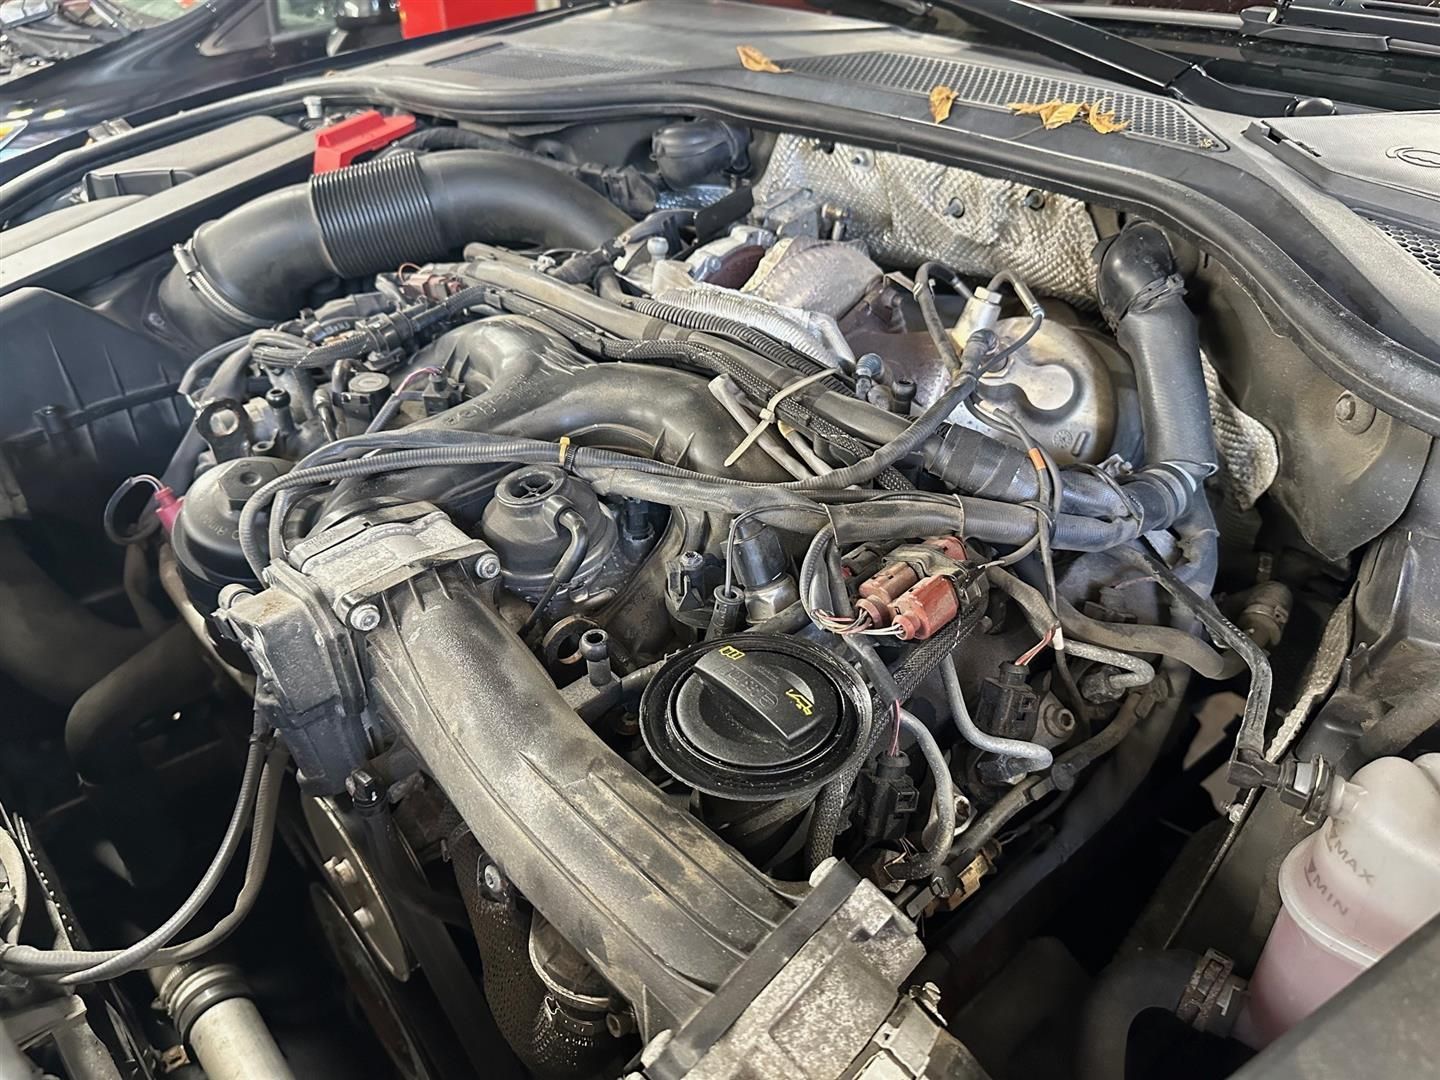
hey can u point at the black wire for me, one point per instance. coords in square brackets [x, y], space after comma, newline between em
[566, 568]
[147, 523]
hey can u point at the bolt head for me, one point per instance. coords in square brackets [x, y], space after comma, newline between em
[341, 871]
[870, 364]
[491, 877]
[364, 788]
[618, 1024]
[1345, 408]
[487, 566]
[364, 918]
[657, 247]
[364, 617]
[1034, 200]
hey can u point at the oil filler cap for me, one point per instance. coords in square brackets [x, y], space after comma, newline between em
[755, 717]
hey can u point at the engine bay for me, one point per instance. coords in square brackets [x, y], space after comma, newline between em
[687, 598]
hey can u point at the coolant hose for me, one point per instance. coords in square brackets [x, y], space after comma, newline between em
[168, 672]
[1125, 989]
[253, 266]
[1143, 297]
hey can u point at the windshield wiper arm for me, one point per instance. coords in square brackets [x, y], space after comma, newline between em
[1359, 25]
[1110, 56]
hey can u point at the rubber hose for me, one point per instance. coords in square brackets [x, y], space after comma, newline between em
[168, 672]
[136, 580]
[262, 843]
[1137, 672]
[1126, 637]
[73, 966]
[40, 623]
[1124, 990]
[261, 258]
[1143, 297]
[569, 565]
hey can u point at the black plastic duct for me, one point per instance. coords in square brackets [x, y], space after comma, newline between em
[253, 266]
[166, 673]
[662, 909]
[40, 623]
[522, 379]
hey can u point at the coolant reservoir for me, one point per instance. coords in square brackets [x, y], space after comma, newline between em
[1349, 892]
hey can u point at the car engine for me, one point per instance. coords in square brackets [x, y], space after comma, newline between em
[682, 598]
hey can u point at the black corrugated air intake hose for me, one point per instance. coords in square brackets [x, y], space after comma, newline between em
[253, 266]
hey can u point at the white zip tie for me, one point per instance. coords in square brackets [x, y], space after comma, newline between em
[767, 414]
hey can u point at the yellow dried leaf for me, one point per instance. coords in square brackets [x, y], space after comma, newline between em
[1053, 114]
[1103, 120]
[1061, 114]
[942, 99]
[1032, 108]
[752, 59]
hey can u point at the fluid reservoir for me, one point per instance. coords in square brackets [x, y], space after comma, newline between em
[1349, 892]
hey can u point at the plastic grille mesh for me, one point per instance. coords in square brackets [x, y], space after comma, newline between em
[996, 87]
[1425, 249]
[522, 64]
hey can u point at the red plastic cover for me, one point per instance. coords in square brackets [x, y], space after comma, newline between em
[339, 144]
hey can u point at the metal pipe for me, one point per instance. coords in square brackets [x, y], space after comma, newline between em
[1034, 756]
[213, 1012]
[1137, 671]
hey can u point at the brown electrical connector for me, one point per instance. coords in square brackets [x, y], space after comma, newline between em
[926, 608]
[879, 593]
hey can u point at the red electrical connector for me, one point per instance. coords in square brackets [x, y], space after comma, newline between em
[880, 595]
[167, 508]
[926, 608]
